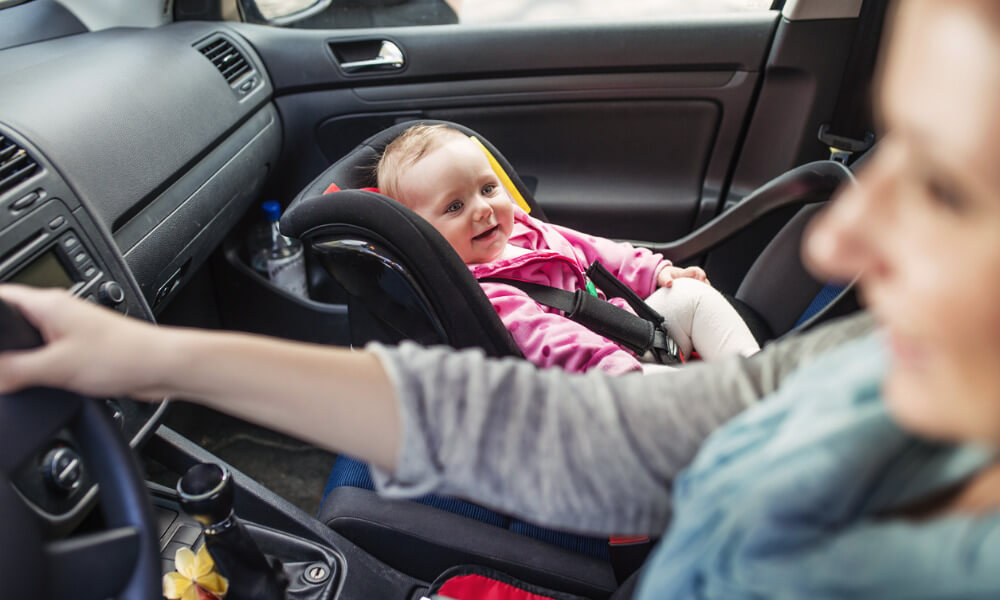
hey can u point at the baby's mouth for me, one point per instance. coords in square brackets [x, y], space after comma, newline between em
[487, 233]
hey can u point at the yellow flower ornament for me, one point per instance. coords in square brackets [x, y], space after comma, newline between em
[195, 577]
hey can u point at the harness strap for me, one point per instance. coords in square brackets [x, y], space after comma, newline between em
[616, 288]
[600, 316]
[664, 348]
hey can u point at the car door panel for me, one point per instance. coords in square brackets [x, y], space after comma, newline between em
[298, 60]
[600, 167]
[629, 130]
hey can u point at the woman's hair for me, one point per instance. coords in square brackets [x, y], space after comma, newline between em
[412, 145]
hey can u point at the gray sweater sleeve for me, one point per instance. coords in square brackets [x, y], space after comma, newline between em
[587, 453]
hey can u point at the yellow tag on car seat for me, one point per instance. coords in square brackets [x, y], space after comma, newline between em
[504, 179]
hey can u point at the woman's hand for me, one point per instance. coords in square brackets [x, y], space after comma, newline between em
[667, 275]
[88, 349]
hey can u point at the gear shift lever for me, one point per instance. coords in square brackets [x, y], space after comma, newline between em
[206, 493]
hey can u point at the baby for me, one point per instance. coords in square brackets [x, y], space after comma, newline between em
[446, 178]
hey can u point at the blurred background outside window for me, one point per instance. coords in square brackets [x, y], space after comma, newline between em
[341, 14]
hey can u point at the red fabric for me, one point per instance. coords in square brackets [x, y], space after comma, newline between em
[617, 540]
[477, 587]
[333, 187]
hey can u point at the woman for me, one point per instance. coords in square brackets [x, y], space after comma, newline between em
[870, 472]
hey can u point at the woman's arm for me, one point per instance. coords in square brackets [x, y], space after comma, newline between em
[585, 452]
[332, 397]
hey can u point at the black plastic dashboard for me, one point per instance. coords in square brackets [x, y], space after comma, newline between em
[126, 155]
[148, 136]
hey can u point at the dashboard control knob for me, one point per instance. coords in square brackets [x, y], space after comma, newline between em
[116, 412]
[63, 469]
[111, 293]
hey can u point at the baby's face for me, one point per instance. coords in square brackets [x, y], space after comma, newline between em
[456, 191]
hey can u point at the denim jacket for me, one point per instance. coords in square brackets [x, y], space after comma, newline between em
[795, 499]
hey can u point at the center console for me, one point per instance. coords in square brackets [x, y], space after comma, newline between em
[49, 239]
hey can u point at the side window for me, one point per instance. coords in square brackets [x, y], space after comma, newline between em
[340, 14]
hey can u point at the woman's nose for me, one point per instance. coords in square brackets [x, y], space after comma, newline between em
[844, 240]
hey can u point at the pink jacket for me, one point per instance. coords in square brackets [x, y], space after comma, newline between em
[559, 258]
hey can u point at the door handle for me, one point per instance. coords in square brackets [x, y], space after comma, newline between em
[389, 55]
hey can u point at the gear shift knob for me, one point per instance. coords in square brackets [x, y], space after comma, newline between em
[206, 493]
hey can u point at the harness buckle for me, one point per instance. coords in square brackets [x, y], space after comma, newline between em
[665, 349]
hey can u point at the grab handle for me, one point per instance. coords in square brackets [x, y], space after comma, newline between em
[389, 55]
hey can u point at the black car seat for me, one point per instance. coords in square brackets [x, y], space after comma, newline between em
[405, 282]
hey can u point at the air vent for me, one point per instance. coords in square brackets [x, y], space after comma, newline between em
[16, 165]
[226, 58]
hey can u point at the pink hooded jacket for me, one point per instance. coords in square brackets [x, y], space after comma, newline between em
[558, 258]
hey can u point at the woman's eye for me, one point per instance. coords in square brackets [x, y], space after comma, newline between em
[944, 195]
[454, 206]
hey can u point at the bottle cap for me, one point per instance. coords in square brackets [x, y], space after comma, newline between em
[272, 210]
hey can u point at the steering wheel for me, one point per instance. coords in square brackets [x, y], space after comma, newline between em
[122, 559]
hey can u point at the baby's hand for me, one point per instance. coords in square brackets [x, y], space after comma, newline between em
[669, 273]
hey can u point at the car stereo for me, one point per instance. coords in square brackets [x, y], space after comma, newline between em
[48, 248]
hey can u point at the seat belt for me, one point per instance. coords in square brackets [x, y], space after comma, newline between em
[640, 333]
[847, 132]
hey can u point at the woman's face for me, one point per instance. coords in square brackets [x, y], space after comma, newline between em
[923, 226]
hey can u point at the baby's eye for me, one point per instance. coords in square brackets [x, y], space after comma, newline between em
[454, 206]
[489, 188]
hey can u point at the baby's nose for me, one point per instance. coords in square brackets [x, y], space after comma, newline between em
[483, 211]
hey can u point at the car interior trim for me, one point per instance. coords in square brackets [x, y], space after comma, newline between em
[301, 60]
[503, 89]
[811, 10]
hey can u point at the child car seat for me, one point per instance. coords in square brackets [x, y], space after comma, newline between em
[405, 282]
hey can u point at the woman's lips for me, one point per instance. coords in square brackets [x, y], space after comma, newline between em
[487, 235]
[906, 350]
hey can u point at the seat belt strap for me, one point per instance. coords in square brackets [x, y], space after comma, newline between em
[848, 131]
[600, 316]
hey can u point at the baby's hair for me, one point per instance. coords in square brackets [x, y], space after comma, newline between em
[411, 145]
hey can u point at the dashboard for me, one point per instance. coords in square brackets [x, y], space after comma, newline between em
[126, 155]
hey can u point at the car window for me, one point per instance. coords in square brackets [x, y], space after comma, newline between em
[339, 14]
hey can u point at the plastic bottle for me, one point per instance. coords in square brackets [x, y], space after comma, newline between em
[283, 259]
